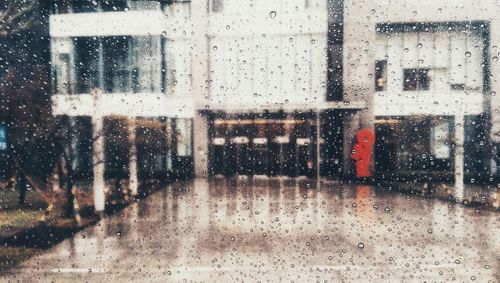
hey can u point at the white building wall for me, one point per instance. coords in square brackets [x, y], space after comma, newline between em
[268, 52]
[361, 17]
[462, 64]
[255, 52]
[294, 45]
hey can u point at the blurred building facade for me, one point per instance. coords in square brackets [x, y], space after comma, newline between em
[225, 87]
[431, 70]
[231, 87]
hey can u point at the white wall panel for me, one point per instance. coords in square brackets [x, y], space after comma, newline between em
[381, 47]
[124, 104]
[302, 66]
[107, 24]
[441, 53]
[425, 49]
[458, 45]
[275, 69]
[288, 61]
[474, 70]
[395, 63]
[318, 67]
[410, 54]
[260, 70]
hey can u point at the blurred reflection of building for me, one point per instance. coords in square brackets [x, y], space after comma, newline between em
[215, 87]
[235, 87]
[429, 67]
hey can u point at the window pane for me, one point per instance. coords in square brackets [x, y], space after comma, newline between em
[410, 80]
[114, 5]
[423, 79]
[85, 6]
[217, 6]
[184, 137]
[117, 65]
[147, 64]
[381, 75]
[440, 147]
[86, 64]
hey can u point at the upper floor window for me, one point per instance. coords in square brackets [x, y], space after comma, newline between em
[85, 6]
[89, 6]
[416, 79]
[114, 5]
[114, 64]
[381, 75]
[217, 6]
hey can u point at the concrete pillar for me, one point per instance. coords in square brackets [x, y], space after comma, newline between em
[200, 140]
[200, 57]
[318, 146]
[351, 127]
[98, 157]
[459, 156]
[132, 167]
[200, 85]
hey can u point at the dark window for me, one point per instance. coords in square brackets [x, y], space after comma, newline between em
[457, 86]
[114, 5]
[416, 79]
[335, 50]
[85, 6]
[87, 66]
[381, 75]
[217, 6]
[117, 65]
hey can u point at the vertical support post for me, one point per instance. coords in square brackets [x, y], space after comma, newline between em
[318, 145]
[200, 84]
[459, 155]
[98, 156]
[201, 141]
[132, 167]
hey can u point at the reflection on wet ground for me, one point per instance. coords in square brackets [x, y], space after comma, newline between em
[277, 230]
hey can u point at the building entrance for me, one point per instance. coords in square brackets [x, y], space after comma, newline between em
[283, 146]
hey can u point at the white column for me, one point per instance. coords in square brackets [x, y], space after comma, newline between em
[200, 140]
[459, 155]
[132, 167]
[318, 146]
[199, 85]
[98, 156]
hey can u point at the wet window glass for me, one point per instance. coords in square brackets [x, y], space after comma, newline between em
[249, 140]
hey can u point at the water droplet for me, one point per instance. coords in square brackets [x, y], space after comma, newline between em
[468, 54]
[272, 14]
[361, 245]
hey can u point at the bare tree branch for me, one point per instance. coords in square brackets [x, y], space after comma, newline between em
[16, 16]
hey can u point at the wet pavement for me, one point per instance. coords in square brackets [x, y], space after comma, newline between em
[277, 230]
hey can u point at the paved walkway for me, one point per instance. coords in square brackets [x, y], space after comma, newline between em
[272, 230]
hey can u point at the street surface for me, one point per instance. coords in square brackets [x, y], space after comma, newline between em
[277, 230]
